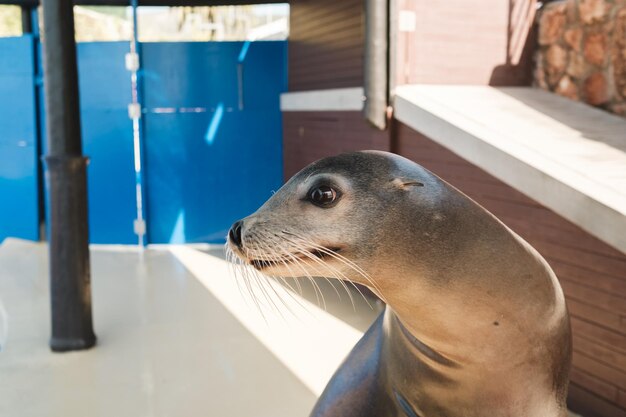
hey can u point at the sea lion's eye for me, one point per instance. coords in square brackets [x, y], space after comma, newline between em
[322, 195]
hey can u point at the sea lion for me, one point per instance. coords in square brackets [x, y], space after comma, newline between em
[475, 323]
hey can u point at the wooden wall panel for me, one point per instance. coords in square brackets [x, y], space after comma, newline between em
[592, 273]
[309, 136]
[325, 44]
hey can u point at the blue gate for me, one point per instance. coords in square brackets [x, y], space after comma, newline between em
[211, 135]
[107, 135]
[19, 184]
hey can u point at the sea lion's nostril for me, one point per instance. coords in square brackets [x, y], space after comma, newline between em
[235, 233]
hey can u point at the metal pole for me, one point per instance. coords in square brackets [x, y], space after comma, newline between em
[70, 286]
[376, 62]
[27, 21]
[133, 64]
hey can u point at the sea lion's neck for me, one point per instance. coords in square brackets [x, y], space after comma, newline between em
[467, 388]
[472, 326]
[456, 307]
[468, 280]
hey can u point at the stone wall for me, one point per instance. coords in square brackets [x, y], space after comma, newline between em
[582, 51]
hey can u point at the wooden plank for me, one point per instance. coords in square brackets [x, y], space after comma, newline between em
[588, 310]
[606, 355]
[326, 44]
[326, 84]
[607, 265]
[556, 232]
[339, 24]
[601, 299]
[301, 12]
[621, 398]
[589, 404]
[348, 56]
[595, 385]
[600, 370]
[309, 136]
[584, 276]
[605, 337]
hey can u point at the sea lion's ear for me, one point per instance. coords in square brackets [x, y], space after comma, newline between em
[406, 183]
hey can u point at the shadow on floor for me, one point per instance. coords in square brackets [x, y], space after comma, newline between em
[356, 307]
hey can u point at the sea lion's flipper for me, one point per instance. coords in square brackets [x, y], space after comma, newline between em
[354, 389]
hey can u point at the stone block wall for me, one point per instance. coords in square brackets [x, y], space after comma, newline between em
[582, 51]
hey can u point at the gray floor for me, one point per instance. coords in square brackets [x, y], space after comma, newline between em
[167, 346]
[174, 340]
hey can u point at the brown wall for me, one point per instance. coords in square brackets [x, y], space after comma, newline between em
[467, 42]
[325, 44]
[455, 42]
[309, 136]
[592, 273]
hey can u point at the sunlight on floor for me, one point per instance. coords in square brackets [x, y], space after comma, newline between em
[310, 342]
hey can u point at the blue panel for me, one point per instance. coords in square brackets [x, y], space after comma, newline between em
[190, 74]
[198, 189]
[264, 74]
[208, 168]
[107, 140]
[19, 212]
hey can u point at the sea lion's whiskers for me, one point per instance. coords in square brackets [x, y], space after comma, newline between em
[231, 260]
[279, 257]
[247, 274]
[303, 250]
[335, 273]
[316, 288]
[234, 265]
[264, 244]
[293, 291]
[337, 256]
[345, 261]
[261, 280]
[352, 265]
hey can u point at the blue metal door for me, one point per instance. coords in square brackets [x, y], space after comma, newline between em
[19, 202]
[213, 135]
[107, 135]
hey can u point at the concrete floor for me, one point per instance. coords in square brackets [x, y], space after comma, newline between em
[175, 338]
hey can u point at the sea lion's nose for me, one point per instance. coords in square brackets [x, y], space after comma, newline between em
[235, 233]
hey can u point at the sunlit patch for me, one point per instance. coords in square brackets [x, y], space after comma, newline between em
[310, 342]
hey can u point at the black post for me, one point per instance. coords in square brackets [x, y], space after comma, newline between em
[70, 287]
[27, 21]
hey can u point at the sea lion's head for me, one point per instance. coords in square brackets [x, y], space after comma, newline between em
[331, 217]
[461, 283]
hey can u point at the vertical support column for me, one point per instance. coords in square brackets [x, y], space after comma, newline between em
[70, 282]
[376, 64]
[27, 22]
